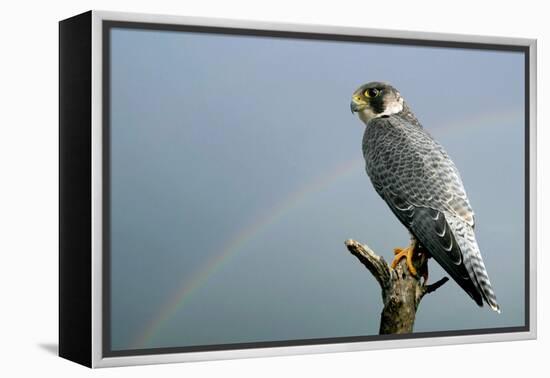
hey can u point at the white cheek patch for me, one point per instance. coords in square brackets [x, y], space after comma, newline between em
[393, 108]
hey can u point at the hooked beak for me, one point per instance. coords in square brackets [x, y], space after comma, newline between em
[357, 104]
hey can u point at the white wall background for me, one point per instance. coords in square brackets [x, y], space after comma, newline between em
[28, 190]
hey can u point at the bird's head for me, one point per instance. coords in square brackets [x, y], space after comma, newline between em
[374, 100]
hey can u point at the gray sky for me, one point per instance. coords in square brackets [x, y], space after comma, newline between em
[237, 175]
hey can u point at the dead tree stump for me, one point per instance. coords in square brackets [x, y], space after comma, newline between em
[401, 291]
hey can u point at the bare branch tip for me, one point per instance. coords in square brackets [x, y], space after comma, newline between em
[350, 243]
[436, 285]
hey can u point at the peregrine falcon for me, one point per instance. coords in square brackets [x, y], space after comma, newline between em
[423, 188]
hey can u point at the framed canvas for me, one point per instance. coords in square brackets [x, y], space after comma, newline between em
[237, 189]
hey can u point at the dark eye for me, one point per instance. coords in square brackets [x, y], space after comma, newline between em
[372, 92]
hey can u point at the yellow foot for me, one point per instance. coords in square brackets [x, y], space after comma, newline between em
[405, 253]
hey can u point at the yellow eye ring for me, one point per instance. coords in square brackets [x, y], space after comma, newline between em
[372, 92]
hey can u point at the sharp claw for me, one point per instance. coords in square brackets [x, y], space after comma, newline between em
[408, 254]
[412, 269]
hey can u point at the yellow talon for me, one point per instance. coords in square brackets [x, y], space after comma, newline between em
[408, 254]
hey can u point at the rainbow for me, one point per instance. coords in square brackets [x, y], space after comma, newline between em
[189, 286]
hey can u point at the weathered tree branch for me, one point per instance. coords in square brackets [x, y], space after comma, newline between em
[401, 291]
[374, 263]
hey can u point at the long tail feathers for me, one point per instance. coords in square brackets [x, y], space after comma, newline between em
[464, 235]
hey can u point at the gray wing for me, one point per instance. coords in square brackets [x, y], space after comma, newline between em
[422, 186]
[406, 160]
[431, 229]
